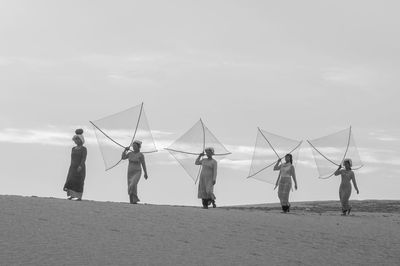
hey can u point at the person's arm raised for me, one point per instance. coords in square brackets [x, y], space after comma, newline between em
[198, 160]
[277, 165]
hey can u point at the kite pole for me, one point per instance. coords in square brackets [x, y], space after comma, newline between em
[269, 143]
[347, 148]
[137, 124]
[204, 146]
[106, 135]
[298, 145]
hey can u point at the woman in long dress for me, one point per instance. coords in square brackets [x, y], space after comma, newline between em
[284, 181]
[136, 163]
[77, 170]
[208, 177]
[345, 186]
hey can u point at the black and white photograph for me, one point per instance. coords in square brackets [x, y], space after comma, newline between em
[183, 132]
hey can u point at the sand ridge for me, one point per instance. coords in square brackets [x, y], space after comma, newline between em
[48, 231]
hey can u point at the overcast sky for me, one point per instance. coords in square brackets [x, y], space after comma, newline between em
[300, 69]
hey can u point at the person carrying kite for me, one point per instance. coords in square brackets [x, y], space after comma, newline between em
[284, 180]
[208, 177]
[136, 163]
[347, 174]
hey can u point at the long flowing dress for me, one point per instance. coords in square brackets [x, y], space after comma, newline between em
[208, 176]
[75, 180]
[286, 171]
[134, 174]
[345, 188]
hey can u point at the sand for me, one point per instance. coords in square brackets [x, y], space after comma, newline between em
[48, 231]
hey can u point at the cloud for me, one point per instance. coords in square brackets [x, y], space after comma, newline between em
[356, 76]
[30, 62]
[61, 135]
[242, 165]
[382, 135]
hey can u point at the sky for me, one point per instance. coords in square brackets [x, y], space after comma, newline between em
[299, 69]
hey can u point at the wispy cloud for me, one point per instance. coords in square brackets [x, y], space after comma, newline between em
[382, 135]
[357, 76]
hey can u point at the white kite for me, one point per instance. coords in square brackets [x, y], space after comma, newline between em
[187, 147]
[330, 151]
[116, 132]
[269, 148]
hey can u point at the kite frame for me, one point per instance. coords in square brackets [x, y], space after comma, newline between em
[122, 146]
[192, 153]
[344, 156]
[269, 143]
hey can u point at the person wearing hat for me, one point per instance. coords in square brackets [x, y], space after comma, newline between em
[284, 181]
[208, 177]
[77, 170]
[345, 186]
[136, 163]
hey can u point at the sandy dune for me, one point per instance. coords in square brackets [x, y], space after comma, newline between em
[47, 231]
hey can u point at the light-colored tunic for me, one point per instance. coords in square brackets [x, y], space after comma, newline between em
[207, 178]
[345, 187]
[134, 173]
[286, 172]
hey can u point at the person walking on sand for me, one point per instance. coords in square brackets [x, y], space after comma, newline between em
[284, 180]
[208, 177]
[77, 170]
[345, 186]
[136, 163]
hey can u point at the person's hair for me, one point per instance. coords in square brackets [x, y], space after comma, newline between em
[347, 161]
[290, 158]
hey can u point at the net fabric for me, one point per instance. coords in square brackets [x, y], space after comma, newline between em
[267, 150]
[117, 131]
[193, 142]
[330, 151]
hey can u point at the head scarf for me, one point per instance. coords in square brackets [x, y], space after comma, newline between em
[210, 149]
[78, 134]
[138, 142]
[79, 137]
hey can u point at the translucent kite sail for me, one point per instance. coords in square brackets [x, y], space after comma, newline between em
[187, 148]
[330, 151]
[267, 150]
[120, 130]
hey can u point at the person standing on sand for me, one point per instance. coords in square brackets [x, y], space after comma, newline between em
[284, 180]
[208, 177]
[136, 163]
[77, 170]
[345, 186]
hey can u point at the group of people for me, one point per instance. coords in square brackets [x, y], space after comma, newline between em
[208, 175]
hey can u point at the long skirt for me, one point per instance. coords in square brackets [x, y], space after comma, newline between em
[74, 194]
[75, 182]
[344, 195]
[206, 188]
[133, 180]
[285, 185]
